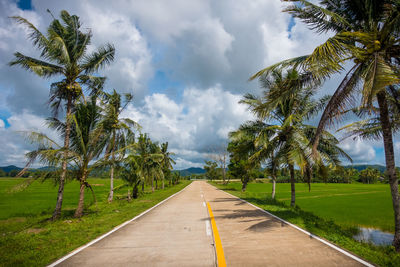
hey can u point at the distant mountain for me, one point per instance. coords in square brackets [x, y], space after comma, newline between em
[10, 168]
[47, 169]
[190, 171]
[361, 167]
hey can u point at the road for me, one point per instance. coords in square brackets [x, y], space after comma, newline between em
[178, 233]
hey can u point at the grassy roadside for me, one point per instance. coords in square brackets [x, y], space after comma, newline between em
[325, 228]
[31, 240]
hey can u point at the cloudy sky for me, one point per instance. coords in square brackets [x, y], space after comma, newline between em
[186, 62]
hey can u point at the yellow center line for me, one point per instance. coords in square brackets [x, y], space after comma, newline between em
[217, 240]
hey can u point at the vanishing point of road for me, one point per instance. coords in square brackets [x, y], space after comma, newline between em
[179, 232]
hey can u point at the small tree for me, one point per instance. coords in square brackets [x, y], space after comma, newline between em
[220, 155]
[212, 172]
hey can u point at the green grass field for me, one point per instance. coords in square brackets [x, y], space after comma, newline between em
[346, 204]
[27, 238]
[331, 211]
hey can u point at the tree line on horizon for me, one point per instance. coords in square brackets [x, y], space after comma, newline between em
[93, 131]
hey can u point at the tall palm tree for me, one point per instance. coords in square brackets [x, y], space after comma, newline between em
[64, 53]
[366, 39]
[166, 162]
[281, 134]
[120, 130]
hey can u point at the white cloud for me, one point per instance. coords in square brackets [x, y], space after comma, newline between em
[13, 144]
[359, 151]
[199, 123]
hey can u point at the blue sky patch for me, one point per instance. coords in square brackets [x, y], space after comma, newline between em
[25, 4]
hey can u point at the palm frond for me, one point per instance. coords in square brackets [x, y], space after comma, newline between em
[98, 59]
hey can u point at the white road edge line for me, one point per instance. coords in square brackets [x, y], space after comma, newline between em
[208, 227]
[308, 233]
[112, 231]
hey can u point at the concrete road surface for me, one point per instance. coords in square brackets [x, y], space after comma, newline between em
[177, 233]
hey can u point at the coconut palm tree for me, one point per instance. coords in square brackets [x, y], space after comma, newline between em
[118, 130]
[88, 140]
[367, 42]
[240, 148]
[131, 173]
[166, 162]
[64, 53]
[281, 134]
[150, 160]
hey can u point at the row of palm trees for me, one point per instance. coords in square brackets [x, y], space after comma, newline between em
[95, 136]
[365, 46]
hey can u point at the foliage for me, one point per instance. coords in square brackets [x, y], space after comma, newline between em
[212, 170]
[370, 176]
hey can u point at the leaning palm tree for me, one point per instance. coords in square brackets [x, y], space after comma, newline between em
[119, 130]
[367, 42]
[64, 53]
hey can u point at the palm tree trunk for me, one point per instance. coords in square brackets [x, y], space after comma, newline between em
[292, 186]
[135, 191]
[152, 184]
[390, 164]
[244, 185]
[111, 195]
[79, 209]
[273, 186]
[60, 194]
[163, 183]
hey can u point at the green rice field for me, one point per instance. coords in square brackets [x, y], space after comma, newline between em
[367, 205]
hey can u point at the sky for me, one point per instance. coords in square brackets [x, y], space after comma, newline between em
[187, 63]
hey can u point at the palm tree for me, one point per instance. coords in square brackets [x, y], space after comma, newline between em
[287, 104]
[240, 149]
[118, 130]
[166, 162]
[88, 140]
[366, 38]
[131, 173]
[64, 53]
[150, 159]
